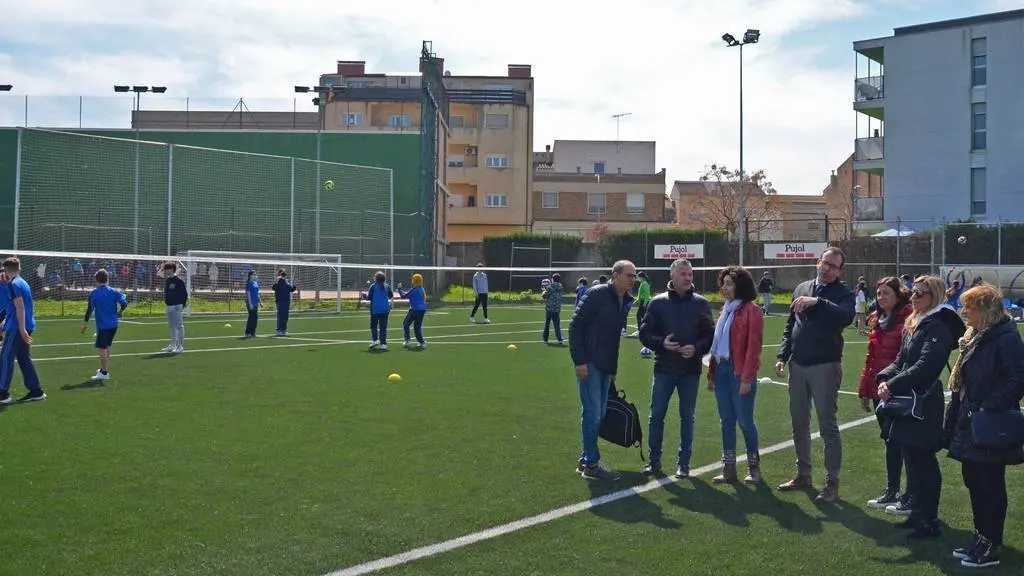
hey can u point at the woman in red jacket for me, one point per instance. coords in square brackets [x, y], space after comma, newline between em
[886, 324]
[732, 373]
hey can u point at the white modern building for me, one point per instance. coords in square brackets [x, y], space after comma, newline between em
[924, 98]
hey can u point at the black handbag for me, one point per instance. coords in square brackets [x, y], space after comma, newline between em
[901, 407]
[997, 429]
[621, 422]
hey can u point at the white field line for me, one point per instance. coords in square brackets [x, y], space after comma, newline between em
[312, 342]
[291, 335]
[552, 515]
[158, 320]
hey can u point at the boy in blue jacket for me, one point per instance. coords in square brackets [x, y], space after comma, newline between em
[108, 304]
[417, 298]
[379, 294]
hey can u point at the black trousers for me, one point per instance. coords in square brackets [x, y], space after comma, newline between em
[987, 486]
[893, 460]
[481, 300]
[250, 322]
[924, 480]
[641, 311]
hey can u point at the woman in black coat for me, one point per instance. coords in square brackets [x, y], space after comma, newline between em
[988, 376]
[930, 336]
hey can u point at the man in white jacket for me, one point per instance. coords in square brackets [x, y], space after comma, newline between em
[480, 288]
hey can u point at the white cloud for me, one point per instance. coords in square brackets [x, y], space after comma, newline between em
[661, 60]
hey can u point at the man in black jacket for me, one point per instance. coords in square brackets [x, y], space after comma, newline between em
[679, 329]
[594, 334]
[812, 344]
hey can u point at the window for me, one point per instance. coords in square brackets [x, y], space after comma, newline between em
[549, 200]
[595, 203]
[979, 182]
[456, 121]
[979, 123]
[456, 161]
[598, 167]
[359, 84]
[353, 119]
[471, 201]
[634, 203]
[496, 120]
[497, 161]
[496, 201]
[979, 62]
[396, 121]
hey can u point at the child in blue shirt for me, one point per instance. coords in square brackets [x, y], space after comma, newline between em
[108, 304]
[379, 294]
[252, 303]
[19, 324]
[417, 298]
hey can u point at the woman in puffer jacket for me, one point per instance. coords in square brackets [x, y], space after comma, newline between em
[886, 325]
[988, 376]
[930, 336]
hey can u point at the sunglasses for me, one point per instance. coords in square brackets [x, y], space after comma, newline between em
[917, 293]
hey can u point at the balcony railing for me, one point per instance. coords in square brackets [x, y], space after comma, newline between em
[869, 88]
[869, 149]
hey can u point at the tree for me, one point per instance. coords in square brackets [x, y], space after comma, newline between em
[719, 203]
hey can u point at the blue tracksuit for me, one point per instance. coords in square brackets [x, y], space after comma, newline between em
[379, 294]
[417, 310]
[14, 348]
[283, 299]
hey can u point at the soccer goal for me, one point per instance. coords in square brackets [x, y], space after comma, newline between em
[204, 276]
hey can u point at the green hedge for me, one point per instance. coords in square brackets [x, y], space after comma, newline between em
[498, 253]
[638, 247]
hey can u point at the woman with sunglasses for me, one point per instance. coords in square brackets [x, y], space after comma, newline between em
[931, 333]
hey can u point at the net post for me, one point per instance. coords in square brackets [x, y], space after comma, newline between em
[170, 193]
[391, 211]
[17, 186]
[189, 281]
[337, 306]
[291, 212]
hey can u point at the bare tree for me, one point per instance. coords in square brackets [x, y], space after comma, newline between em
[719, 203]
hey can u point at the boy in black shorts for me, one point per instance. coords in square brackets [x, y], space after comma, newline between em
[108, 304]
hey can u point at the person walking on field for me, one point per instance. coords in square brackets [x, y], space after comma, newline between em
[812, 345]
[480, 288]
[643, 299]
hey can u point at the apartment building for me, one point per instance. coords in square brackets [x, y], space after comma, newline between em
[769, 217]
[923, 98]
[854, 199]
[586, 187]
[487, 154]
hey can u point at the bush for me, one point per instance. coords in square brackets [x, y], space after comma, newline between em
[638, 247]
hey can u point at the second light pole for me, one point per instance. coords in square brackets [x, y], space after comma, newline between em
[749, 37]
[322, 92]
[139, 91]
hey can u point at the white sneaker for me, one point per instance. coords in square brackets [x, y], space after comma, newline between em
[99, 375]
[407, 344]
[374, 344]
[167, 349]
[487, 320]
[383, 347]
[178, 349]
[472, 320]
[422, 345]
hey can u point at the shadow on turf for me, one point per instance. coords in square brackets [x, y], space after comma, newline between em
[630, 510]
[83, 385]
[734, 505]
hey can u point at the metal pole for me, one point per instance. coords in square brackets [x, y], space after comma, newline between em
[80, 98]
[17, 187]
[899, 230]
[743, 210]
[135, 228]
[999, 242]
[291, 213]
[391, 211]
[319, 125]
[170, 193]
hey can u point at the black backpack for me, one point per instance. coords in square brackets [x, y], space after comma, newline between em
[621, 422]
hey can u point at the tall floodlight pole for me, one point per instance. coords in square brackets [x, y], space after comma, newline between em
[751, 36]
[321, 104]
[138, 91]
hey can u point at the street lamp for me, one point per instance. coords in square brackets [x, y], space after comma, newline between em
[751, 36]
[320, 104]
[139, 91]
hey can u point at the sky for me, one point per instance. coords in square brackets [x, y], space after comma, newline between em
[661, 61]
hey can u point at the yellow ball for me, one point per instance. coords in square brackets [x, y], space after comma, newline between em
[329, 185]
[394, 377]
[227, 325]
[512, 347]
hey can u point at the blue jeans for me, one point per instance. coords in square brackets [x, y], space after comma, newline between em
[15, 349]
[414, 318]
[735, 409]
[593, 403]
[553, 317]
[662, 386]
[282, 316]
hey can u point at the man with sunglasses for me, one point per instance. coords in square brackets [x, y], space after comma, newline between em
[594, 335]
[812, 345]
